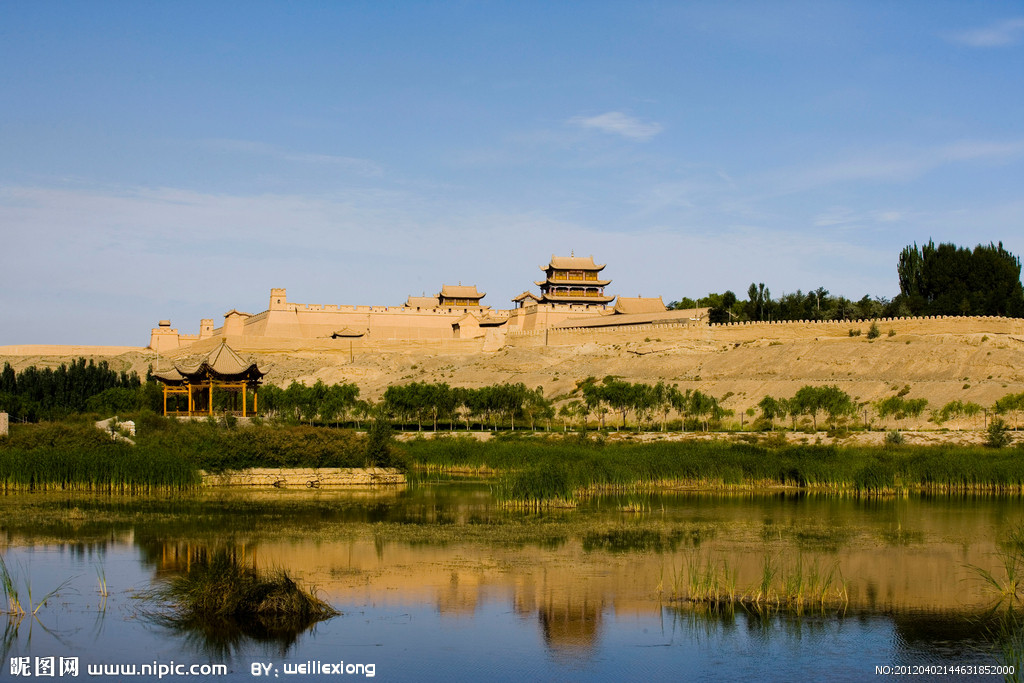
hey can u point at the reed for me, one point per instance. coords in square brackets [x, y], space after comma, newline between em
[218, 588]
[12, 595]
[11, 598]
[794, 587]
[101, 577]
[536, 469]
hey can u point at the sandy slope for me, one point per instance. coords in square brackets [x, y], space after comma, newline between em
[940, 367]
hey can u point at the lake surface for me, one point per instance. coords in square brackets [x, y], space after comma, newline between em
[437, 582]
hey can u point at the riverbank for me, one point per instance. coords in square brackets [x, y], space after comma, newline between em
[531, 469]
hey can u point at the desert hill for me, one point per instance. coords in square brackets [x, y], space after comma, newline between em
[939, 362]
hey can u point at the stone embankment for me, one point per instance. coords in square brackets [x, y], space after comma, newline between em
[305, 477]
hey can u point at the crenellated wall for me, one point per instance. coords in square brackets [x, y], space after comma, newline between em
[285, 320]
[777, 330]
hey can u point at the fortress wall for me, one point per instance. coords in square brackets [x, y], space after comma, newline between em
[377, 322]
[248, 344]
[61, 350]
[780, 330]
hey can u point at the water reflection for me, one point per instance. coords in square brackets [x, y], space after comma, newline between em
[579, 582]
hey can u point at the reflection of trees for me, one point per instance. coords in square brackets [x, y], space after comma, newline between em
[570, 628]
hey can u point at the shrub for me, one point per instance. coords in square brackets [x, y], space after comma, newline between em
[998, 434]
[893, 438]
[873, 332]
[854, 333]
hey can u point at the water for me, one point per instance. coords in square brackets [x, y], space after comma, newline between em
[439, 583]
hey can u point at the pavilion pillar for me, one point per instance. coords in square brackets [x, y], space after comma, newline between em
[165, 400]
[211, 396]
[255, 400]
[245, 390]
[190, 404]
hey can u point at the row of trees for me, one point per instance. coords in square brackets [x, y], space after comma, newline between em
[951, 280]
[934, 280]
[82, 386]
[817, 304]
[53, 393]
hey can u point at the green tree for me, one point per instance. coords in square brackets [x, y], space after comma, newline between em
[951, 280]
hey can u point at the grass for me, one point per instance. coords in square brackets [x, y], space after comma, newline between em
[12, 595]
[1008, 586]
[794, 586]
[219, 596]
[82, 458]
[537, 473]
[528, 472]
[11, 598]
[167, 454]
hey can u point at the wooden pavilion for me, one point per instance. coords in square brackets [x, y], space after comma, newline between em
[220, 370]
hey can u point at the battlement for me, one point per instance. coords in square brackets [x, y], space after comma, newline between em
[780, 329]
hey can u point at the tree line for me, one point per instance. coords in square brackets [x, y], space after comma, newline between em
[85, 386]
[53, 393]
[934, 280]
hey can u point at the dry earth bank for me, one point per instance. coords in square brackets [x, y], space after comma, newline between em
[975, 366]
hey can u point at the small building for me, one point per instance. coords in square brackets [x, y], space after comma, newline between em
[573, 280]
[220, 370]
[632, 305]
[526, 299]
[460, 296]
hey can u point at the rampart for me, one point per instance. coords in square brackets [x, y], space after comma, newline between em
[320, 324]
[65, 350]
[751, 331]
[354, 346]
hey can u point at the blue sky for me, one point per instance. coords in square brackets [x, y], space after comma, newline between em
[177, 160]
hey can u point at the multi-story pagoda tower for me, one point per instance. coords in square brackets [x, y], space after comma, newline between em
[573, 280]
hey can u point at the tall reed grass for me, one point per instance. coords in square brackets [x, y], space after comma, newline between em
[794, 586]
[531, 471]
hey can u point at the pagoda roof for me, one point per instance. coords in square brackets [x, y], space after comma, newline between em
[629, 305]
[221, 364]
[171, 377]
[572, 263]
[527, 295]
[461, 292]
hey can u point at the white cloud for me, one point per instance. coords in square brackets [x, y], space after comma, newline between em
[1001, 34]
[617, 123]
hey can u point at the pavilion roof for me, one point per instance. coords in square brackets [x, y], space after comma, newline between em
[526, 295]
[221, 364]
